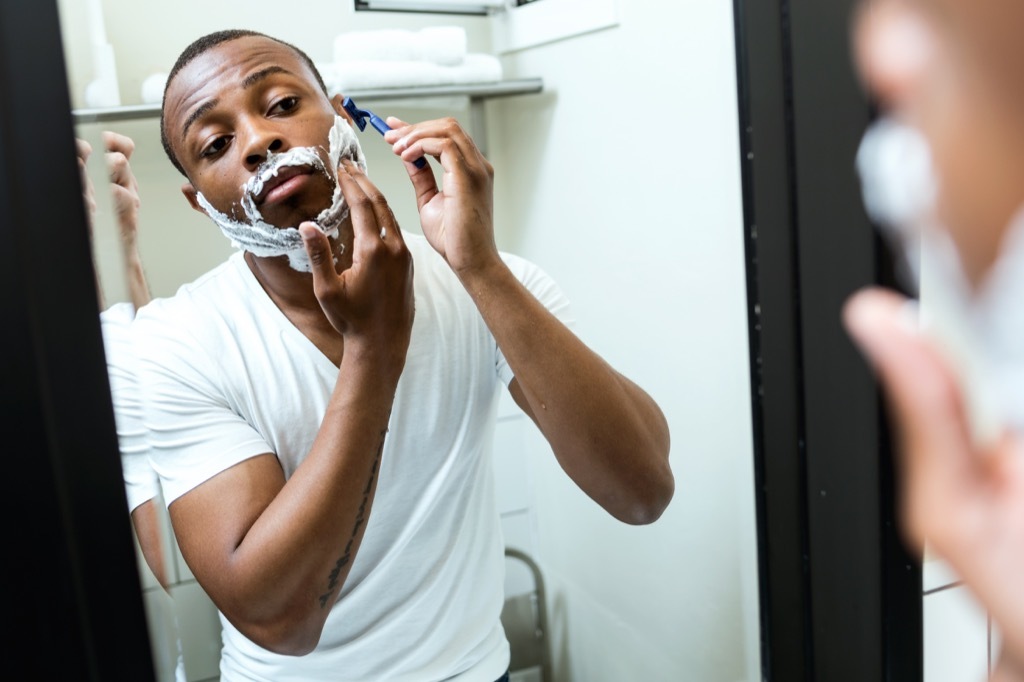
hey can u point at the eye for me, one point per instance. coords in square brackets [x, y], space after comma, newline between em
[216, 146]
[285, 105]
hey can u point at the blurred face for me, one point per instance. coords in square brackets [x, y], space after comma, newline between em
[954, 70]
[230, 107]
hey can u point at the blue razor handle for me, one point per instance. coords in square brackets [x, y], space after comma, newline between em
[360, 116]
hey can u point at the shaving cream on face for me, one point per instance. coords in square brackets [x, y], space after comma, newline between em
[979, 328]
[263, 239]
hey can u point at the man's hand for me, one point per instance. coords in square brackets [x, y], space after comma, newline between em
[966, 502]
[372, 299]
[124, 188]
[84, 150]
[458, 218]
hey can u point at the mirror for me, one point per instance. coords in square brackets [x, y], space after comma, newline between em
[652, 262]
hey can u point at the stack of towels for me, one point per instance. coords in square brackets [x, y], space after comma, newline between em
[395, 58]
[390, 58]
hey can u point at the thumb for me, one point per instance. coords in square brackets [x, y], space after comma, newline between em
[924, 396]
[318, 248]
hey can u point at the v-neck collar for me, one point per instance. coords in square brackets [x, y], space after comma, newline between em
[285, 325]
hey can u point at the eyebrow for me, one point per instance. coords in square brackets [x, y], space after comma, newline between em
[199, 112]
[254, 78]
[250, 80]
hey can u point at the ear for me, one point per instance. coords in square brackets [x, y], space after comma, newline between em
[336, 102]
[192, 196]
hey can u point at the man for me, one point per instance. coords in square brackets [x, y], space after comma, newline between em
[322, 404]
[952, 71]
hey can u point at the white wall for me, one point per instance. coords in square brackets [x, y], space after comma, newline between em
[622, 180]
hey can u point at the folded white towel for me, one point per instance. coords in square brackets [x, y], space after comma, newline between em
[343, 77]
[153, 88]
[444, 45]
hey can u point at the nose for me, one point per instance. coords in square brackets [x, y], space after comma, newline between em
[894, 46]
[260, 140]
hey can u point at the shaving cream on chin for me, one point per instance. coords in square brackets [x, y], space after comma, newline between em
[259, 237]
[979, 328]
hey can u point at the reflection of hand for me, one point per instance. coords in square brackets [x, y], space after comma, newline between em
[457, 219]
[371, 301]
[966, 502]
[124, 188]
[83, 150]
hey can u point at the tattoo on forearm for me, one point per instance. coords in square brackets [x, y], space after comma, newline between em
[332, 579]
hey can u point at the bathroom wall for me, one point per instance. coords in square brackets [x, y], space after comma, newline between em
[622, 181]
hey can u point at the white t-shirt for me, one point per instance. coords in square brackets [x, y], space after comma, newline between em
[141, 483]
[228, 377]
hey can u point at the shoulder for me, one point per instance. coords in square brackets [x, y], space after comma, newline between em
[522, 268]
[536, 279]
[115, 322]
[191, 321]
[118, 315]
[196, 299]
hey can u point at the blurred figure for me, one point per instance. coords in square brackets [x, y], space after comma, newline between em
[950, 72]
[141, 484]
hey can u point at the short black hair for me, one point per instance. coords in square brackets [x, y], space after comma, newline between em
[208, 42]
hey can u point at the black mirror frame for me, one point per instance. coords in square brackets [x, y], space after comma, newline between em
[71, 586]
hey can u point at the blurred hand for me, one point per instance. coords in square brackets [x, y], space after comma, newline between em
[966, 502]
[84, 150]
[124, 188]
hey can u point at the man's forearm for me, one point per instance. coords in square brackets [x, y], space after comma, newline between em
[138, 287]
[607, 433]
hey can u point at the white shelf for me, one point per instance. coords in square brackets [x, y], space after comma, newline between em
[475, 93]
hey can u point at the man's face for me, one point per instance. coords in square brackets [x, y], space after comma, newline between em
[952, 69]
[231, 105]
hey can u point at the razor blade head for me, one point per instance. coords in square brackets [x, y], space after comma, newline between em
[357, 114]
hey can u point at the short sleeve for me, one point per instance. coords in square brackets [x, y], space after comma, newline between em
[141, 482]
[194, 431]
[545, 290]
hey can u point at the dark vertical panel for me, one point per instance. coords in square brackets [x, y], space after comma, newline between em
[837, 252]
[840, 594]
[71, 590]
[773, 288]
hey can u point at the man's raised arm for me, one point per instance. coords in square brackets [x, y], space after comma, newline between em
[607, 433]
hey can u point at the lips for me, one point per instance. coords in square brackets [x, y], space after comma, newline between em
[281, 184]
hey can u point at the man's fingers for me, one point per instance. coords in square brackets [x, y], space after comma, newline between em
[364, 221]
[120, 170]
[318, 247]
[444, 139]
[922, 387]
[923, 391]
[115, 142]
[83, 149]
[424, 184]
[372, 217]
